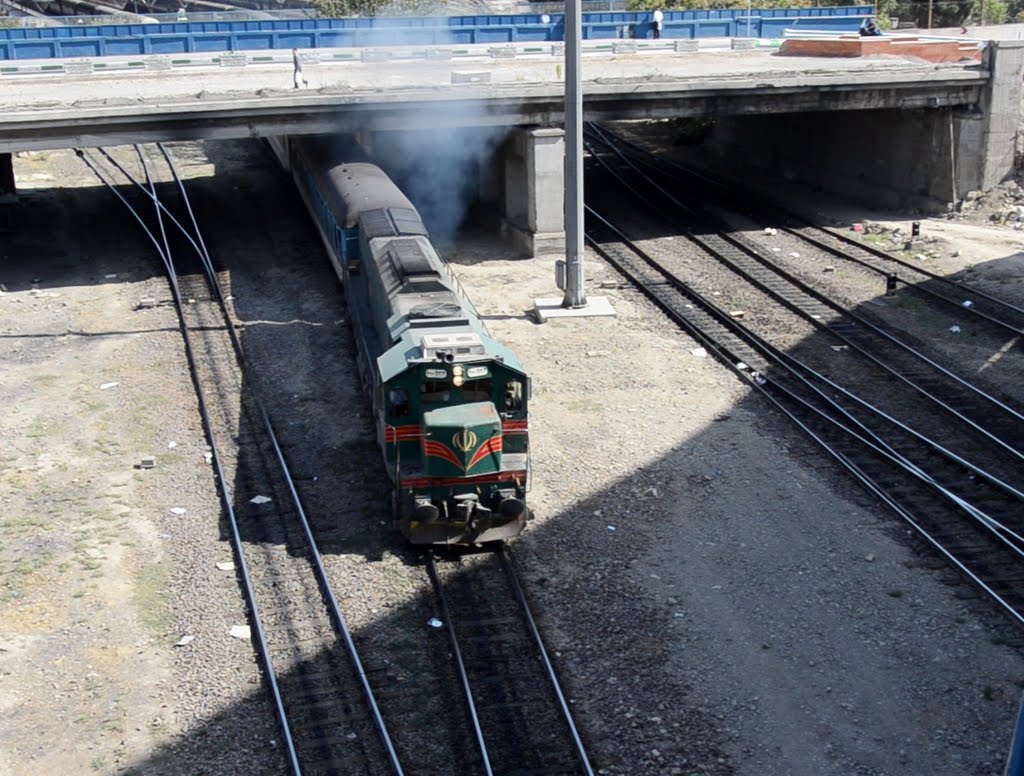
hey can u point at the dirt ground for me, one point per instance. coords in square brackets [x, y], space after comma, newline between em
[721, 601]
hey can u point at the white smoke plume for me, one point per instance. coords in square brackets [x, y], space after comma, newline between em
[441, 171]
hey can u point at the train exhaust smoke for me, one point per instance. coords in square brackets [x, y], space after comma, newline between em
[443, 171]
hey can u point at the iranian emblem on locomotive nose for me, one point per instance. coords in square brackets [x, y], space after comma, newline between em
[464, 440]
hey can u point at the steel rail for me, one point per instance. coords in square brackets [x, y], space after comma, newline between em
[581, 751]
[442, 601]
[658, 164]
[236, 538]
[829, 328]
[761, 384]
[338, 618]
[325, 586]
[798, 369]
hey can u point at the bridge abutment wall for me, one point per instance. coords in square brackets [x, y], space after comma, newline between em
[992, 125]
[889, 159]
[923, 159]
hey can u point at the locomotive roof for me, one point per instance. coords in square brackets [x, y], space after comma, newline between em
[355, 185]
[397, 359]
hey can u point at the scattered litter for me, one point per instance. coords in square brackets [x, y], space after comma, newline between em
[816, 316]
[737, 313]
[171, 445]
[839, 348]
[433, 622]
[165, 536]
[108, 386]
[794, 255]
[608, 284]
[352, 736]
[146, 302]
[178, 510]
[920, 257]
[776, 250]
[110, 276]
[240, 632]
[147, 462]
[594, 353]
[226, 565]
[954, 254]
[758, 379]
[857, 227]
[699, 353]
[869, 557]
[829, 268]
[742, 366]
[968, 303]
[208, 456]
[191, 300]
[955, 329]
[653, 491]
[184, 640]
[260, 500]
[772, 231]
[611, 529]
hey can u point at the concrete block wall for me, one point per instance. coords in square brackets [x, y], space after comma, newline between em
[920, 159]
[1001, 116]
[892, 159]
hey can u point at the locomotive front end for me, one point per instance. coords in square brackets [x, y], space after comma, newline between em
[462, 466]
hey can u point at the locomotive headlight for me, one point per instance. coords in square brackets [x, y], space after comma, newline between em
[457, 370]
[458, 380]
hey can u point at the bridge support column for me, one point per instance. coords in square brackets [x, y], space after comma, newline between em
[984, 139]
[534, 193]
[8, 191]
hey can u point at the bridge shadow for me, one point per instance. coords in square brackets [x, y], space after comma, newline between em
[739, 650]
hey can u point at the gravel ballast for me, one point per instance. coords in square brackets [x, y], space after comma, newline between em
[720, 598]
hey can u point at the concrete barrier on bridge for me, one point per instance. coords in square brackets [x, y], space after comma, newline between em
[161, 62]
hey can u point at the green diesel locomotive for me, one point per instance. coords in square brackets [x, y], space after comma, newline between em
[450, 402]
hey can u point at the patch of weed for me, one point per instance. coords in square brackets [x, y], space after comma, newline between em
[151, 598]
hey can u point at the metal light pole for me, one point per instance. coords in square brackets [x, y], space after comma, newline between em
[574, 280]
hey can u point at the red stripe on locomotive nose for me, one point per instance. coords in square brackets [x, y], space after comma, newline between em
[492, 445]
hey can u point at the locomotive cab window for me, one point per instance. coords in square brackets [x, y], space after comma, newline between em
[513, 396]
[432, 392]
[398, 403]
[478, 390]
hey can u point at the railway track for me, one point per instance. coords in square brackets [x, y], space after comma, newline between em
[719, 196]
[329, 716]
[521, 720]
[971, 516]
[973, 422]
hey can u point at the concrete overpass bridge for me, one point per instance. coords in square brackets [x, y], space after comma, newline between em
[895, 129]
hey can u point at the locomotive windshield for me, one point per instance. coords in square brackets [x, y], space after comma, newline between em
[432, 392]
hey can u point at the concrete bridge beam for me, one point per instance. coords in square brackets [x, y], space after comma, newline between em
[533, 203]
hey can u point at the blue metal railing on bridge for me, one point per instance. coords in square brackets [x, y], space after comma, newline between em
[181, 37]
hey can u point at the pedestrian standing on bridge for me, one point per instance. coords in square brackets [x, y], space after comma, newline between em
[659, 19]
[297, 75]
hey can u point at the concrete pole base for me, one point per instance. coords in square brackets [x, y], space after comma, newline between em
[551, 307]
